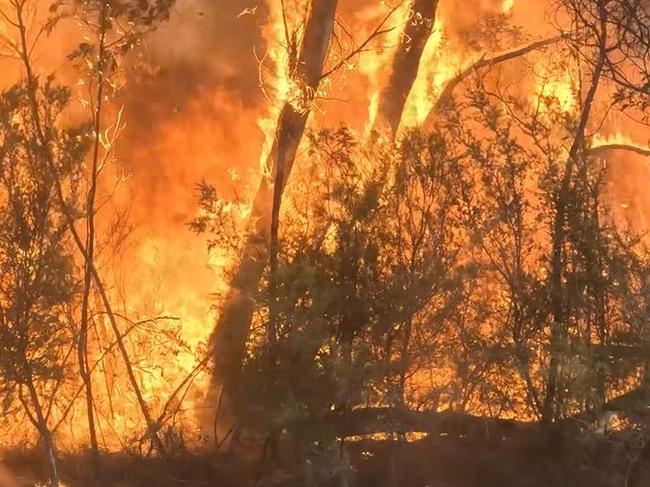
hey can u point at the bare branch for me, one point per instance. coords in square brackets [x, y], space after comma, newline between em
[378, 32]
[602, 150]
[447, 93]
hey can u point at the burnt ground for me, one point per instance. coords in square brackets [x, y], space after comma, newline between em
[433, 462]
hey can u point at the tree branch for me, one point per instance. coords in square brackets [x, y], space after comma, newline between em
[379, 31]
[448, 91]
[601, 150]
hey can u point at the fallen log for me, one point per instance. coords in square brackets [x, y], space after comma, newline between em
[369, 421]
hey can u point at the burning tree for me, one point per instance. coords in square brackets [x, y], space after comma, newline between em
[47, 191]
[465, 272]
[542, 283]
[37, 267]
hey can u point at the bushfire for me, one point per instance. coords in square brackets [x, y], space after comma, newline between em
[321, 242]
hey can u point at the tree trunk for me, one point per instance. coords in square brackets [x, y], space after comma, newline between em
[82, 346]
[233, 326]
[45, 433]
[418, 28]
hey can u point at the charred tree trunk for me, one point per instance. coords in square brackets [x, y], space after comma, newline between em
[406, 62]
[233, 327]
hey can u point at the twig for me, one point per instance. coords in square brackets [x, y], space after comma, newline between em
[376, 33]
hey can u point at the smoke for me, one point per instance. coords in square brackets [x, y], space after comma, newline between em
[191, 103]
